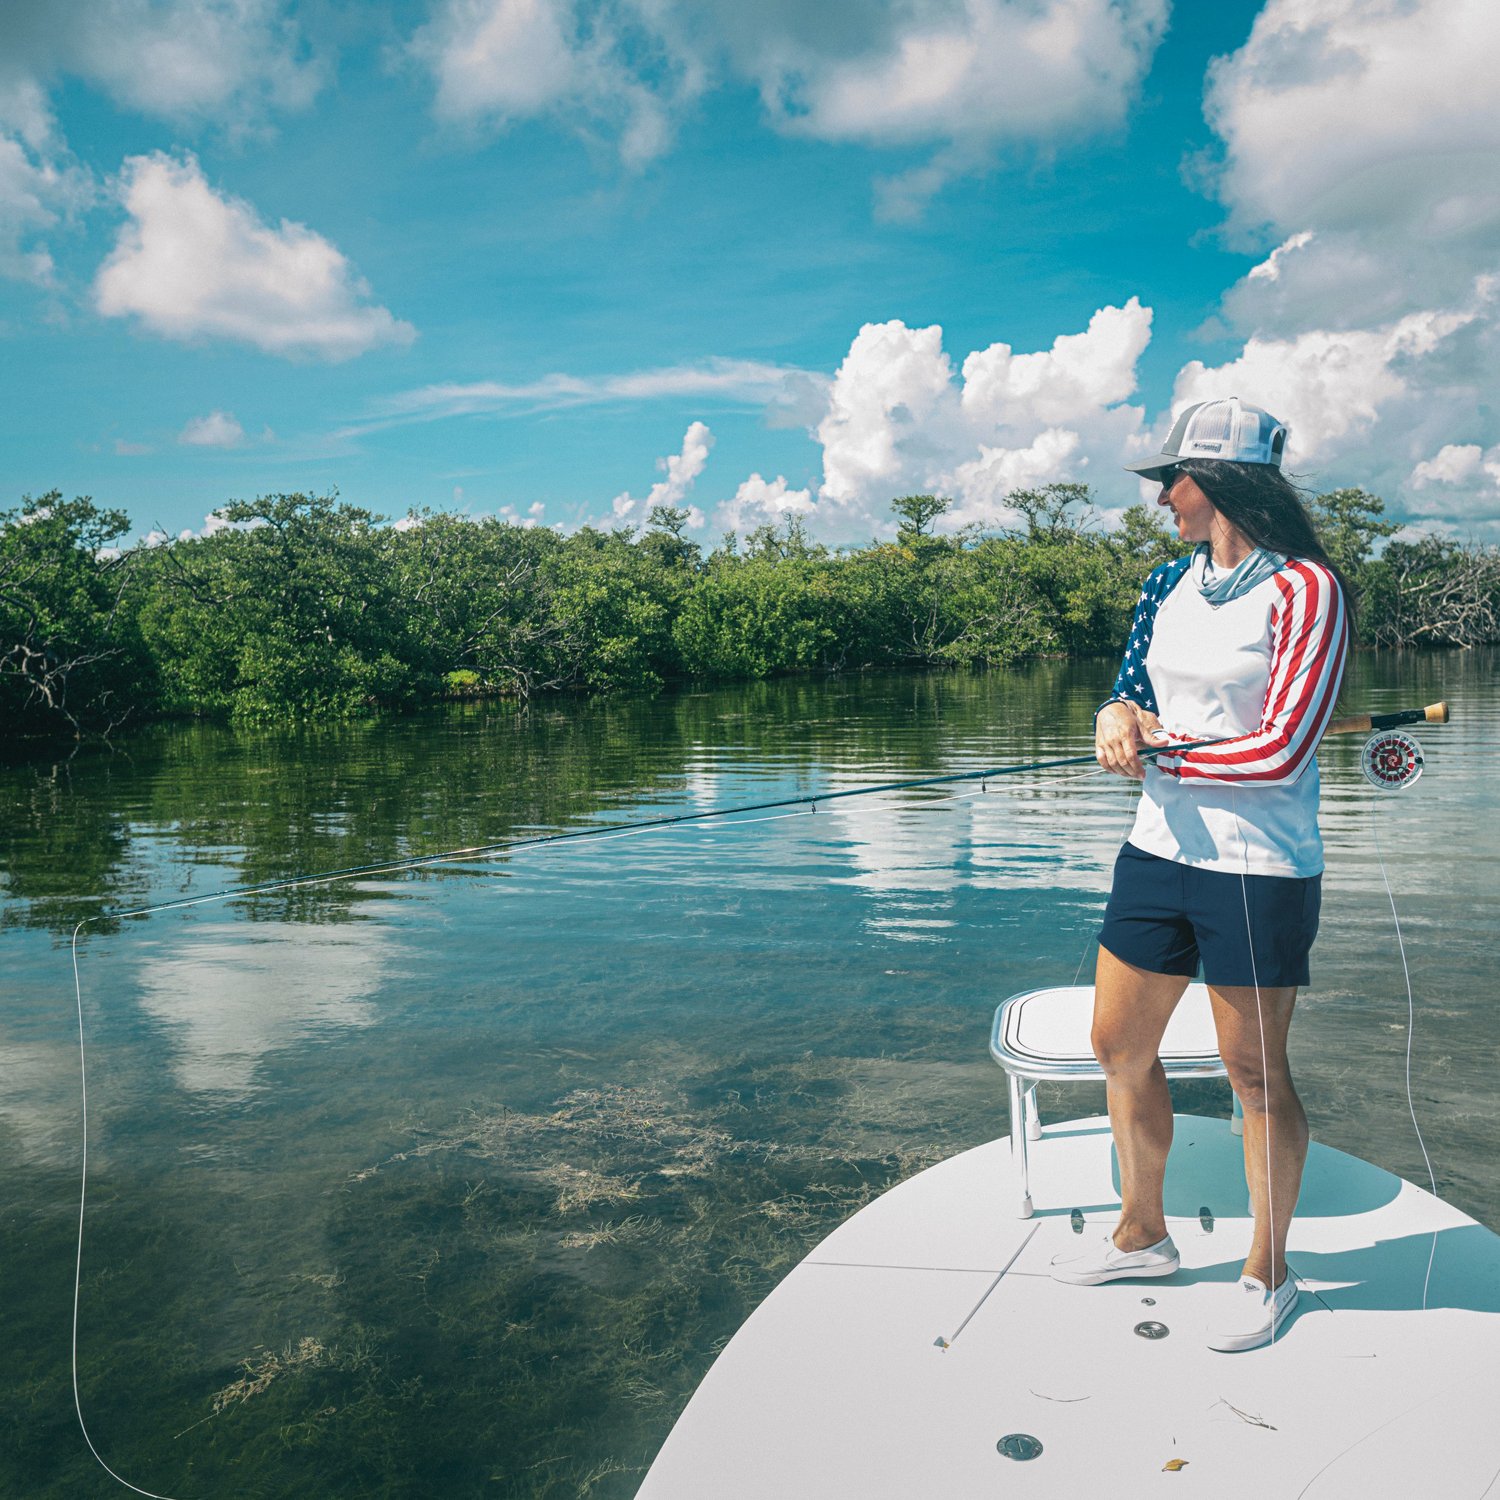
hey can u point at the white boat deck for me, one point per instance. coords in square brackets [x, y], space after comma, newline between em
[839, 1384]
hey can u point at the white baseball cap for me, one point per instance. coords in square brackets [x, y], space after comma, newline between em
[1228, 429]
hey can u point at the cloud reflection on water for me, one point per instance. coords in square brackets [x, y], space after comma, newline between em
[230, 994]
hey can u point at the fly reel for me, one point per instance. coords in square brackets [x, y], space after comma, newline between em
[1391, 760]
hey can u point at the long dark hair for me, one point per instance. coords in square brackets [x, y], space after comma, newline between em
[1263, 503]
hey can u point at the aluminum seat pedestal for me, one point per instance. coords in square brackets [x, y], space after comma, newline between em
[1044, 1034]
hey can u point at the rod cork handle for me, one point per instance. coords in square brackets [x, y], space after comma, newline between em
[1434, 713]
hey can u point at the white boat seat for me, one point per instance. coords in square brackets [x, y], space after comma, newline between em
[1044, 1034]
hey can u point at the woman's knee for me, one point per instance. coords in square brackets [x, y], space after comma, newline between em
[1120, 1053]
[1258, 1088]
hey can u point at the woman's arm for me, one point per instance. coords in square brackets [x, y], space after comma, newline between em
[1132, 683]
[1127, 719]
[1309, 640]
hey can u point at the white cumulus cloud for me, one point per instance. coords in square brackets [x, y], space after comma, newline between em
[40, 185]
[682, 469]
[1349, 114]
[958, 77]
[891, 395]
[987, 69]
[1364, 141]
[219, 429]
[497, 61]
[222, 60]
[761, 502]
[1080, 373]
[1362, 149]
[900, 419]
[1331, 386]
[1459, 485]
[1453, 463]
[955, 79]
[193, 264]
[213, 523]
[1270, 268]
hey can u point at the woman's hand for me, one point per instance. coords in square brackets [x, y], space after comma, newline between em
[1120, 732]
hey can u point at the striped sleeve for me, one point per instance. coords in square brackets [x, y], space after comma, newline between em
[1309, 640]
[1132, 683]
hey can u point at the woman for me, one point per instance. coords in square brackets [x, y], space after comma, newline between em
[1242, 642]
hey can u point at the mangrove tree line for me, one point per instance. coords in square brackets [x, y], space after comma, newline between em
[305, 606]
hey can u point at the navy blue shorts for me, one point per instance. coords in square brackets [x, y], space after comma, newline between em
[1169, 917]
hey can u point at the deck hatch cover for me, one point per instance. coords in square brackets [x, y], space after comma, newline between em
[1019, 1445]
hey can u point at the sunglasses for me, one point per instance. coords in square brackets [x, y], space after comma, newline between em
[1169, 477]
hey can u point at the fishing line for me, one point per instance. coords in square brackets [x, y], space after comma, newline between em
[803, 808]
[1265, 1081]
[1130, 813]
[798, 806]
[627, 833]
[78, 1265]
[596, 831]
[1411, 1026]
[1389, 762]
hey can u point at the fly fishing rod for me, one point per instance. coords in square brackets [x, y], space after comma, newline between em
[1399, 757]
[1434, 713]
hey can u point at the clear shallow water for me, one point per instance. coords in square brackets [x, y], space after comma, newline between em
[454, 1182]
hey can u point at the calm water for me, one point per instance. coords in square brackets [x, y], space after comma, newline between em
[453, 1183]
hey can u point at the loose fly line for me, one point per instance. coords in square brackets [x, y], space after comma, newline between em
[807, 802]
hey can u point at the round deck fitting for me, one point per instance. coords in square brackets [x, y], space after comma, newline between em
[1019, 1446]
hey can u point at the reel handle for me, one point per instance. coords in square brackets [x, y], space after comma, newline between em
[1434, 713]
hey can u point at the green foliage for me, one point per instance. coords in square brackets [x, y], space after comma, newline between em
[1350, 526]
[917, 512]
[291, 611]
[478, 595]
[1428, 592]
[70, 659]
[1049, 510]
[1143, 541]
[301, 606]
[665, 542]
[756, 617]
[613, 604]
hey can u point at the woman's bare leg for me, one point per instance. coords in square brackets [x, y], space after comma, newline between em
[1273, 1113]
[1131, 1009]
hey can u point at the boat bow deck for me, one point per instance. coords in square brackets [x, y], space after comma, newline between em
[894, 1357]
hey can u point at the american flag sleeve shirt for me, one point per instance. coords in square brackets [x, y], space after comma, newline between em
[1132, 685]
[1259, 672]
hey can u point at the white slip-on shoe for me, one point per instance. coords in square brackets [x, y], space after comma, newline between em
[1097, 1261]
[1247, 1315]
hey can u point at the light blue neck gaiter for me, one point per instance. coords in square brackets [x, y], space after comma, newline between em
[1220, 588]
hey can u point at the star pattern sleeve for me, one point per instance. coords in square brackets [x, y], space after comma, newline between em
[1132, 682]
[1309, 641]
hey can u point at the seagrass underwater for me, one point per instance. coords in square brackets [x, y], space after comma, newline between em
[455, 1182]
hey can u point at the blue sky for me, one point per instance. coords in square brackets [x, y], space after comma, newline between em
[557, 260]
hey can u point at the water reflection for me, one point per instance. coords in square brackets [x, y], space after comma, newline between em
[227, 996]
[38, 1098]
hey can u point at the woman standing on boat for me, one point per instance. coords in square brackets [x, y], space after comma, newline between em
[1243, 641]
